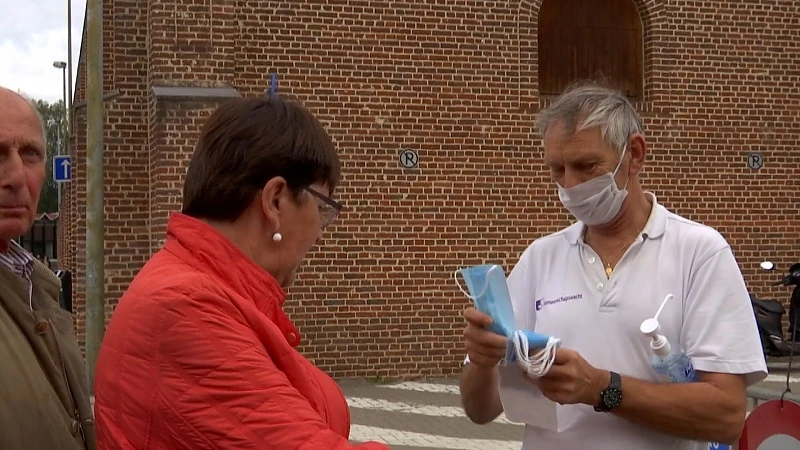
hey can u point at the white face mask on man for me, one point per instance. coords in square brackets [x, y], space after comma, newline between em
[597, 201]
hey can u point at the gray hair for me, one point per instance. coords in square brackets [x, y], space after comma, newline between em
[586, 105]
[32, 103]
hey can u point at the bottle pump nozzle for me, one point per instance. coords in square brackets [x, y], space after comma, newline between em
[651, 327]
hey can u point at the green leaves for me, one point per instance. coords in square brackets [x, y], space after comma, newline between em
[55, 120]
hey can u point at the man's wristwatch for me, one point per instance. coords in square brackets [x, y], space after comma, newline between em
[611, 396]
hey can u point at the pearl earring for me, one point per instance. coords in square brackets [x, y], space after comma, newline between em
[277, 237]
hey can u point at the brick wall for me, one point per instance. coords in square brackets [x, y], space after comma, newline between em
[457, 82]
[175, 127]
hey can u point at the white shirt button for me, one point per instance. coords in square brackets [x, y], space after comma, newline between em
[592, 260]
[600, 286]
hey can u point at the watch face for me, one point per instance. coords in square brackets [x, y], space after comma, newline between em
[612, 397]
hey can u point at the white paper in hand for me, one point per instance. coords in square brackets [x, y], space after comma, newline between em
[524, 403]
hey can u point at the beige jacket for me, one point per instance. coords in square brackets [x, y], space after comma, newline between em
[44, 399]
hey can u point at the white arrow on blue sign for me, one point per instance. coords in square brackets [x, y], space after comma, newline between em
[62, 168]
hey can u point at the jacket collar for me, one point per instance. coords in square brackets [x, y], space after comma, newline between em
[654, 228]
[203, 247]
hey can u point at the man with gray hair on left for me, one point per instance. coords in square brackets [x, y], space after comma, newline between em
[44, 398]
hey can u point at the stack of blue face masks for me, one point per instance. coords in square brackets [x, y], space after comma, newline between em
[534, 352]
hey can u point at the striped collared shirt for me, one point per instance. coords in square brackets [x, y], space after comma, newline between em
[21, 263]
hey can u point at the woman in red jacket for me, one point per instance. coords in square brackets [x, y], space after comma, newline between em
[199, 353]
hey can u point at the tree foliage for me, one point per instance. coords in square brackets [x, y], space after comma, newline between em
[55, 121]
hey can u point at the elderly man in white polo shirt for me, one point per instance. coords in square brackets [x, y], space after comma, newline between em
[593, 283]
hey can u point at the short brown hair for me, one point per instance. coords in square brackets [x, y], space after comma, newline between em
[245, 143]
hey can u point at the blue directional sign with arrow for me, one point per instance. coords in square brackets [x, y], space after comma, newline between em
[62, 168]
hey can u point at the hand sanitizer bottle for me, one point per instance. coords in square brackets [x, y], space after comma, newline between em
[667, 362]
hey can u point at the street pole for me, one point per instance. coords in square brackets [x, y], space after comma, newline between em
[68, 105]
[62, 132]
[95, 227]
[58, 185]
[61, 123]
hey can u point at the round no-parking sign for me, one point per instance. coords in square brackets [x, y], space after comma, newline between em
[773, 425]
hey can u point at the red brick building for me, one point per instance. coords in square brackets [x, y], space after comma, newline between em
[460, 83]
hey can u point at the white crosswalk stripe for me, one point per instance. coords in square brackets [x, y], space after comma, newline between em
[414, 408]
[781, 378]
[410, 414]
[433, 388]
[396, 437]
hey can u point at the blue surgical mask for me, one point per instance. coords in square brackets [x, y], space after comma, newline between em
[597, 201]
[488, 290]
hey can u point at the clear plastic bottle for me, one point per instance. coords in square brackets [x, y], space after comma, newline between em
[672, 364]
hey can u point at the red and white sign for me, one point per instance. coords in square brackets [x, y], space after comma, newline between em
[773, 425]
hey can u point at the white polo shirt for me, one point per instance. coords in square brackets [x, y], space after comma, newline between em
[559, 287]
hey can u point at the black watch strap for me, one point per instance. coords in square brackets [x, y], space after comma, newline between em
[611, 396]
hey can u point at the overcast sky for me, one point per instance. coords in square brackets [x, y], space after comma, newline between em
[33, 34]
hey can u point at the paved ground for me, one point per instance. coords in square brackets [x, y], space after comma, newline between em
[421, 416]
[427, 415]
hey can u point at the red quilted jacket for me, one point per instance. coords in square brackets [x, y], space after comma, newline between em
[200, 355]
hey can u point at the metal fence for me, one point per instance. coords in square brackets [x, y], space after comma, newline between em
[757, 395]
[41, 240]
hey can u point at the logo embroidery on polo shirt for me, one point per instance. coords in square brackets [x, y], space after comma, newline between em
[541, 303]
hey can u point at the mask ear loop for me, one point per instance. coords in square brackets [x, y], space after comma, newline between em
[538, 364]
[621, 157]
[619, 164]
[483, 291]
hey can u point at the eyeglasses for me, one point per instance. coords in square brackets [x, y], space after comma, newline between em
[327, 211]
